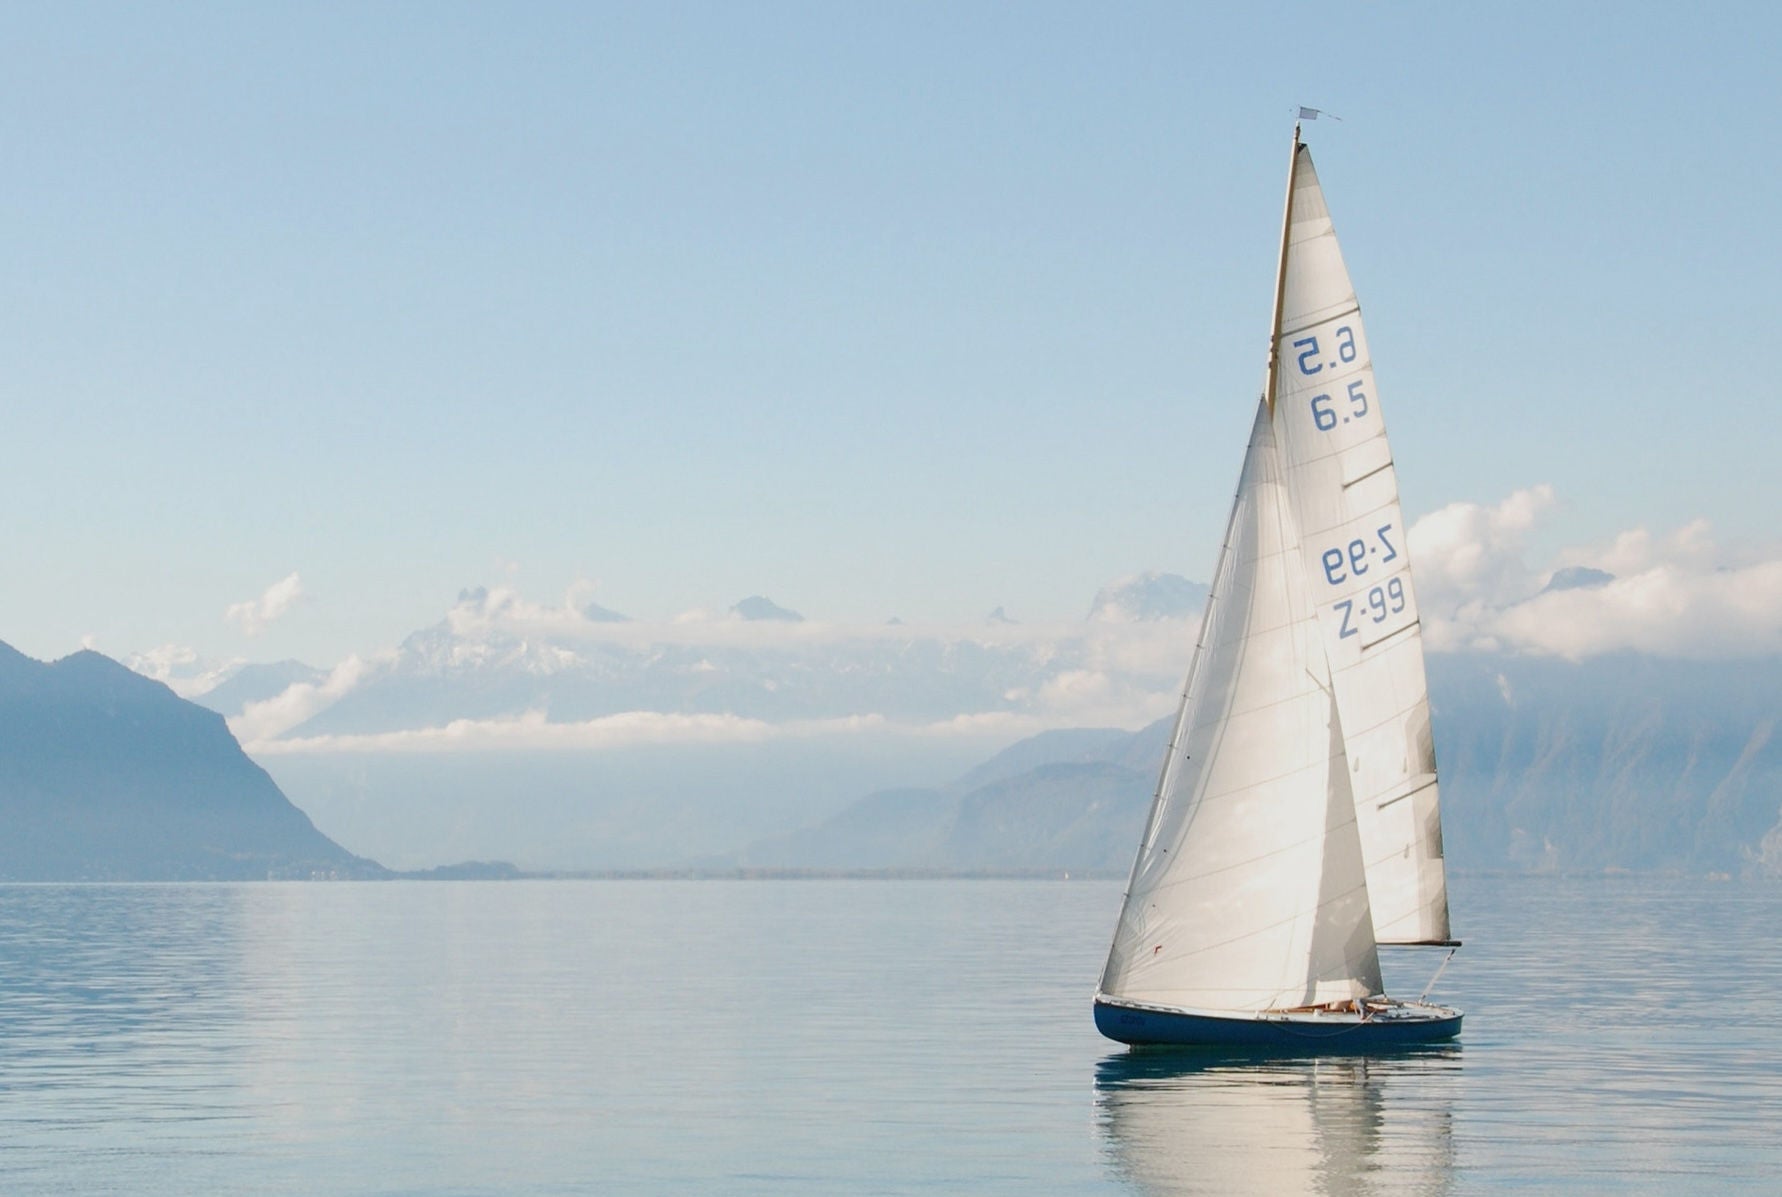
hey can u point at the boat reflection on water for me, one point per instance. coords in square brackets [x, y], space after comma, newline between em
[1192, 1122]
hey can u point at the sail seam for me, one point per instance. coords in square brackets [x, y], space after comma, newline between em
[1389, 717]
[1236, 864]
[1351, 310]
[1337, 900]
[1267, 706]
[1339, 451]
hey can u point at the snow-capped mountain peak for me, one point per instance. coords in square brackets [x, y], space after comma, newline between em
[1148, 596]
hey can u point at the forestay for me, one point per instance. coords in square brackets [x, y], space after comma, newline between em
[1343, 493]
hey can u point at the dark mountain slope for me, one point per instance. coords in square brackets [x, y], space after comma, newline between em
[108, 776]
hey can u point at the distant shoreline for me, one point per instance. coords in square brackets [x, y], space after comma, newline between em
[776, 874]
[504, 872]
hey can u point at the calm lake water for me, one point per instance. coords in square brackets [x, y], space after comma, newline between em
[843, 1037]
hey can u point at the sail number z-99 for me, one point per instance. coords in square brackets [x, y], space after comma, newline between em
[1355, 558]
[1378, 604]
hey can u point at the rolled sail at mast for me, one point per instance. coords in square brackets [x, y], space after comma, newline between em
[1248, 892]
[1343, 491]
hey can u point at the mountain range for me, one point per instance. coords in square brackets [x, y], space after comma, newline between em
[494, 657]
[1630, 762]
[574, 738]
[564, 739]
[1063, 801]
[822, 747]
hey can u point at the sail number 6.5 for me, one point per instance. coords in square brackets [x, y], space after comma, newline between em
[1330, 408]
[1324, 411]
[1308, 357]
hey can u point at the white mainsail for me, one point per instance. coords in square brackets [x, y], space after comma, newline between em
[1248, 892]
[1344, 493]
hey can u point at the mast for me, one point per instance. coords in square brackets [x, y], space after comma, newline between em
[1274, 324]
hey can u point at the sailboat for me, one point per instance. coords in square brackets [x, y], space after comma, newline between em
[1296, 827]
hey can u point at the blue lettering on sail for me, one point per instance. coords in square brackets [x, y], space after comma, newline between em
[1350, 561]
[1376, 607]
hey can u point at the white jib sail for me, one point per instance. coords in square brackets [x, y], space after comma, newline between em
[1248, 892]
[1344, 495]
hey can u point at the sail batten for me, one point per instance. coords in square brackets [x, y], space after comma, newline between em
[1412, 792]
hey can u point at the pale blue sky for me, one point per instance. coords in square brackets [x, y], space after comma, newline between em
[891, 309]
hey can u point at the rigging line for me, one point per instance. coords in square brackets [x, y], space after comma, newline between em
[1215, 594]
[1438, 972]
[1223, 575]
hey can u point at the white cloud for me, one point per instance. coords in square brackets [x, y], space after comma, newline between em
[1674, 593]
[485, 614]
[1098, 698]
[534, 732]
[1074, 699]
[1690, 547]
[1471, 553]
[253, 616]
[1677, 595]
[1666, 610]
[259, 722]
[1061, 675]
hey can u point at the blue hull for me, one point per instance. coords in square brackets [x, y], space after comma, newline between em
[1403, 1026]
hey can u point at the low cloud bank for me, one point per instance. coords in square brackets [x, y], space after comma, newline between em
[532, 731]
[565, 676]
[1679, 594]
